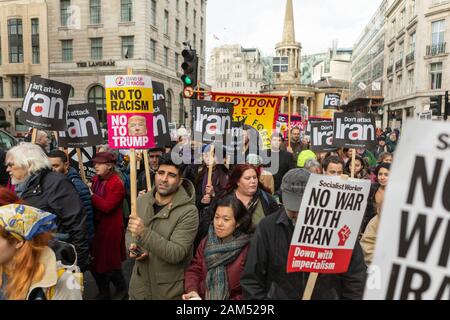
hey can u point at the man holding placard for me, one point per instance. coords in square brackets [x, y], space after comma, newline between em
[268, 270]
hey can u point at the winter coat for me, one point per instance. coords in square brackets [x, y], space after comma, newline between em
[54, 193]
[108, 248]
[195, 275]
[369, 239]
[54, 283]
[4, 176]
[85, 197]
[142, 180]
[168, 238]
[265, 275]
[219, 180]
[285, 163]
[297, 147]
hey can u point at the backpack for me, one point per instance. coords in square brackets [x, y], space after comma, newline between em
[68, 274]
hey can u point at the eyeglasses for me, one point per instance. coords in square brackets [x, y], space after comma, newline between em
[334, 172]
[9, 164]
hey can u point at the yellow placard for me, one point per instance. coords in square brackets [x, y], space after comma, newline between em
[129, 100]
[258, 111]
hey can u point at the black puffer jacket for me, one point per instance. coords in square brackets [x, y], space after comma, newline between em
[3, 174]
[265, 276]
[54, 193]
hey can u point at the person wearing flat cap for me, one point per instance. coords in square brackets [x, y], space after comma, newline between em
[265, 277]
[108, 247]
[29, 269]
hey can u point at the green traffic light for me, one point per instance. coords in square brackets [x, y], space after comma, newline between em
[188, 81]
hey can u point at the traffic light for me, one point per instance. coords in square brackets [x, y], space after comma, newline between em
[189, 66]
[436, 105]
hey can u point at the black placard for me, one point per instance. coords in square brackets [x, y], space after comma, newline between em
[354, 130]
[45, 104]
[83, 127]
[322, 136]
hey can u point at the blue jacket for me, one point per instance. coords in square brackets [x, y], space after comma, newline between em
[85, 197]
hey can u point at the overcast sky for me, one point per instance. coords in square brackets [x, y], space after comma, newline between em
[259, 23]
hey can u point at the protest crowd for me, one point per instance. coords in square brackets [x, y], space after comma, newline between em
[213, 229]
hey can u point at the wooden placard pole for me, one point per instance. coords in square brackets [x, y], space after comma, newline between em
[211, 164]
[289, 118]
[353, 163]
[81, 165]
[147, 171]
[34, 132]
[133, 178]
[307, 294]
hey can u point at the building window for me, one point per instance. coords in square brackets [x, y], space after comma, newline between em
[66, 50]
[411, 81]
[186, 34]
[413, 8]
[195, 16]
[201, 47]
[153, 13]
[17, 124]
[18, 86]
[402, 19]
[166, 22]
[166, 56]
[127, 47]
[64, 10]
[177, 60]
[95, 11]
[177, 30]
[152, 50]
[201, 25]
[194, 41]
[436, 75]
[15, 37]
[412, 42]
[186, 11]
[169, 105]
[96, 48]
[177, 5]
[97, 95]
[35, 41]
[72, 92]
[1, 87]
[126, 10]
[437, 32]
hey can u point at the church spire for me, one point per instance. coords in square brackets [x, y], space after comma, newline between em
[289, 32]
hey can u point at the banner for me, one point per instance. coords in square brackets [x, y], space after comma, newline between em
[160, 123]
[87, 154]
[354, 130]
[328, 224]
[83, 127]
[212, 120]
[322, 136]
[45, 104]
[331, 101]
[412, 250]
[129, 106]
[258, 111]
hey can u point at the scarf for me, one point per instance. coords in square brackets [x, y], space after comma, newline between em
[217, 256]
[21, 187]
[251, 207]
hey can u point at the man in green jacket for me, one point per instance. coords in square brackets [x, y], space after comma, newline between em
[162, 235]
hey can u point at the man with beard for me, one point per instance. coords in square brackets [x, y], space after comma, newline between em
[163, 234]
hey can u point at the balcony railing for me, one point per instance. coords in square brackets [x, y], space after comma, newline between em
[410, 57]
[390, 69]
[436, 49]
[399, 64]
